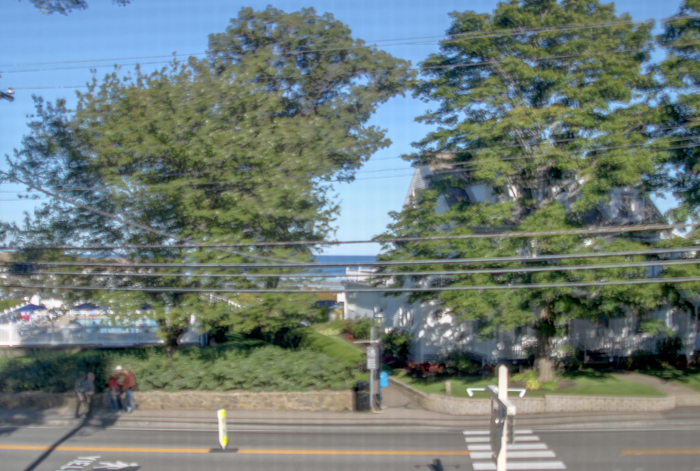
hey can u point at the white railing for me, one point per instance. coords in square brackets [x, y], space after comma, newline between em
[12, 335]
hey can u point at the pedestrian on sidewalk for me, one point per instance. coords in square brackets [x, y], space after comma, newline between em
[89, 391]
[79, 392]
[128, 385]
[114, 395]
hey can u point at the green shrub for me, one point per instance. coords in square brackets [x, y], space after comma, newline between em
[669, 348]
[461, 364]
[359, 329]
[397, 344]
[532, 383]
[263, 369]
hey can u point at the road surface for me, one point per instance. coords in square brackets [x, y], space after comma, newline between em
[662, 446]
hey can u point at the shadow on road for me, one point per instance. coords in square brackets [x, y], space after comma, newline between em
[103, 422]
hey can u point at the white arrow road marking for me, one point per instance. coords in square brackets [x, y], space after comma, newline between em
[117, 465]
[517, 446]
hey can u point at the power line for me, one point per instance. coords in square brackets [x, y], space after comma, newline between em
[412, 262]
[492, 271]
[454, 164]
[123, 220]
[484, 235]
[644, 281]
[459, 37]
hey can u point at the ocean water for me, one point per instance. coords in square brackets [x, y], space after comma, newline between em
[348, 260]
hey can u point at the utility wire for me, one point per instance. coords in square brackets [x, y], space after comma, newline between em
[492, 271]
[454, 164]
[483, 235]
[412, 262]
[123, 220]
[444, 39]
[600, 284]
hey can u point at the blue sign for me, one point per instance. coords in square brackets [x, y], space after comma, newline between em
[384, 379]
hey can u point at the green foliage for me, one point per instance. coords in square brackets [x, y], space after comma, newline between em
[359, 329]
[397, 344]
[545, 126]
[679, 109]
[331, 346]
[262, 369]
[240, 147]
[669, 348]
[49, 7]
[9, 303]
[532, 383]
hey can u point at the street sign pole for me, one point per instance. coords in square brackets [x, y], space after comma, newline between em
[372, 366]
[502, 414]
[503, 397]
[223, 434]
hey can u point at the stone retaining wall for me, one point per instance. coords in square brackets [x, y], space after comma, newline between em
[204, 400]
[550, 403]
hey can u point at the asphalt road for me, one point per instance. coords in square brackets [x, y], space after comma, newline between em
[657, 447]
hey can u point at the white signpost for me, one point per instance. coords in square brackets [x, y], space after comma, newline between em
[223, 434]
[501, 429]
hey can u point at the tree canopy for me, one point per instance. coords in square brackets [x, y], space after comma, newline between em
[49, 7]
[543, 109]
[240, 147]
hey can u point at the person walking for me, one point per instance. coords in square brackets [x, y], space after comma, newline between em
[128, 385]
[79, 393]
[114, 394]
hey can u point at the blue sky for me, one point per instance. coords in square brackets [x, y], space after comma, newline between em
[33, 42]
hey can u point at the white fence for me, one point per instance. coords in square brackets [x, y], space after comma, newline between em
[14, 335]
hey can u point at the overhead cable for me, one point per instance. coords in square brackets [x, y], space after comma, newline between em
[123, 220]
[411, 262]
[482, 235]
[598, 284]
[490, 271]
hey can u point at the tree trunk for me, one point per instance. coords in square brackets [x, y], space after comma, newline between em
[545, 331]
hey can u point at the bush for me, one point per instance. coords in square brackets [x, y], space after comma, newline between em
[669, 349]
[461, 364]
[360, 329]
[529, 377]
[263, 369]
[397, 344]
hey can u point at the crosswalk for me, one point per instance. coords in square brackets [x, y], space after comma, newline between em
[528, 453]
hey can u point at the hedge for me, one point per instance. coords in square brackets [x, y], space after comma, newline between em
[263, 369]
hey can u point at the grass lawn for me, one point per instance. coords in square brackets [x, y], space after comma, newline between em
[8, 303]
[587, 382]
[687, 376]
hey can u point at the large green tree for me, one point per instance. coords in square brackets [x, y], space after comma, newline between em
[679, 109]
[240, 147]
[544, 103]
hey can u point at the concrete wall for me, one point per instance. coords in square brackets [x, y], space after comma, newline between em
[203, 400]
[550, 403]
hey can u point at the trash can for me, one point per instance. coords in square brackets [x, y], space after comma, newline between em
[362, 396]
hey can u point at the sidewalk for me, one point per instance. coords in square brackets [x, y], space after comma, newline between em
[685, 396]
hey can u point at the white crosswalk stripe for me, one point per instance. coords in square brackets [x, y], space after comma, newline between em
[521, 465]
[517, 446]
[524, 438]
[486, 432]
[526, 454]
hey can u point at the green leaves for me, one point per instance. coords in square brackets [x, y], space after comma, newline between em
[542, 112]
[242, 147]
